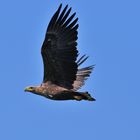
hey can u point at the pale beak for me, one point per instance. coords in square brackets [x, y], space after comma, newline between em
[28, 89]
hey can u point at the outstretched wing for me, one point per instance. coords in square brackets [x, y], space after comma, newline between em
[59, 49]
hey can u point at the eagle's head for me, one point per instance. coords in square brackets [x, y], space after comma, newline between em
[35, 89]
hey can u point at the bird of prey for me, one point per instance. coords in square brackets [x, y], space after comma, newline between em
[62, 75]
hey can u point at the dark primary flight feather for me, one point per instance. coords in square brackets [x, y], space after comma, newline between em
[59, 50]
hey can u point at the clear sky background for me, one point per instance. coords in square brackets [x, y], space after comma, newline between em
[109, 33]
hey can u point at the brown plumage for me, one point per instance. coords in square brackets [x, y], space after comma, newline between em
[62, 76]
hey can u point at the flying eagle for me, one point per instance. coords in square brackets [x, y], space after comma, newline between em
[62, 75]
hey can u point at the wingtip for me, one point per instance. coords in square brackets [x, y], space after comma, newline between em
[60, 6]
[70, 8]
[66, 6]
[74, 14]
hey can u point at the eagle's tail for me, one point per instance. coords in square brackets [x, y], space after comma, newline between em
[83, 96]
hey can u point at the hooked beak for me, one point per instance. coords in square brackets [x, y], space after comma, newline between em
[28, 89]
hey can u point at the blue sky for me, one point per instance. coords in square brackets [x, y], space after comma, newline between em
[109, 33]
